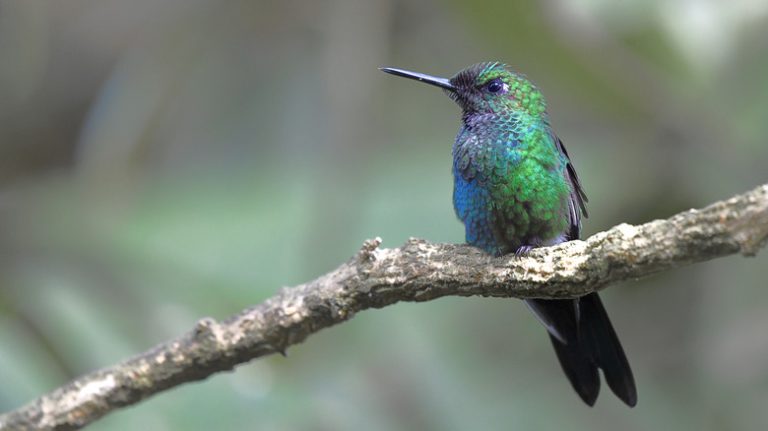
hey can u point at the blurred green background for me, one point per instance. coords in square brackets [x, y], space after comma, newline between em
[165, 161]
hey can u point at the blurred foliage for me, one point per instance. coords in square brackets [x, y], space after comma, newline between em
[165, 161]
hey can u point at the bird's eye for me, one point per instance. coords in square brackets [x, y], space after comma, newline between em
[496, 86]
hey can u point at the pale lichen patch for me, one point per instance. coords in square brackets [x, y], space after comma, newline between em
[295, 309]
[94, 389]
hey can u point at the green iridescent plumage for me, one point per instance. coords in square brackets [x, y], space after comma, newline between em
[512, 186]
[515, 189]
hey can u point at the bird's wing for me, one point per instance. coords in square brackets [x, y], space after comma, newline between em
[578, 201]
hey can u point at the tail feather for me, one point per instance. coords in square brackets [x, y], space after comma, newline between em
[606, 348]
[580, 370]
[559, 317]
[592, 345]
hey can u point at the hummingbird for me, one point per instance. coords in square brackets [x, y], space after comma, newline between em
[516, 189]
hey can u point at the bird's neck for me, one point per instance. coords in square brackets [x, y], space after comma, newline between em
[508, 120]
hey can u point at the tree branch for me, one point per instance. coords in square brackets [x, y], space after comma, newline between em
[417, 271]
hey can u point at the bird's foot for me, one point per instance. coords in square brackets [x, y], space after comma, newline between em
[523, 250]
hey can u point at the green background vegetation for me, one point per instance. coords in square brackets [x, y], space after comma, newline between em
[165, 161]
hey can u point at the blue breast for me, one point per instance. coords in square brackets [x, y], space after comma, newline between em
[473, 206]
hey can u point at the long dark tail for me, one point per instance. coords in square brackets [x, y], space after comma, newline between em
[584, 341]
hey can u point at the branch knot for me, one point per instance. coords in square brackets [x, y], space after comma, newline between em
[367, 252]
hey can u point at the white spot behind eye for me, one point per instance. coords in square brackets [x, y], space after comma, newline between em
[497, 86]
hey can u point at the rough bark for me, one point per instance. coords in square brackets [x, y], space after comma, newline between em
[417, 271]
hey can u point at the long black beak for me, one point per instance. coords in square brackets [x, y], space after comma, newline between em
[433, 80]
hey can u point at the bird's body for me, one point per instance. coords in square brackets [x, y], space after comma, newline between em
[510, 183]
[515, 189]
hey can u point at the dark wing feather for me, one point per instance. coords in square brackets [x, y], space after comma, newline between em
[578, 202]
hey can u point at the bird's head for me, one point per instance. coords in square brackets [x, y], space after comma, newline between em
[486, 88]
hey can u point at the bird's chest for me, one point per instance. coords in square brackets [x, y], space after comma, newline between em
[509, 188]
